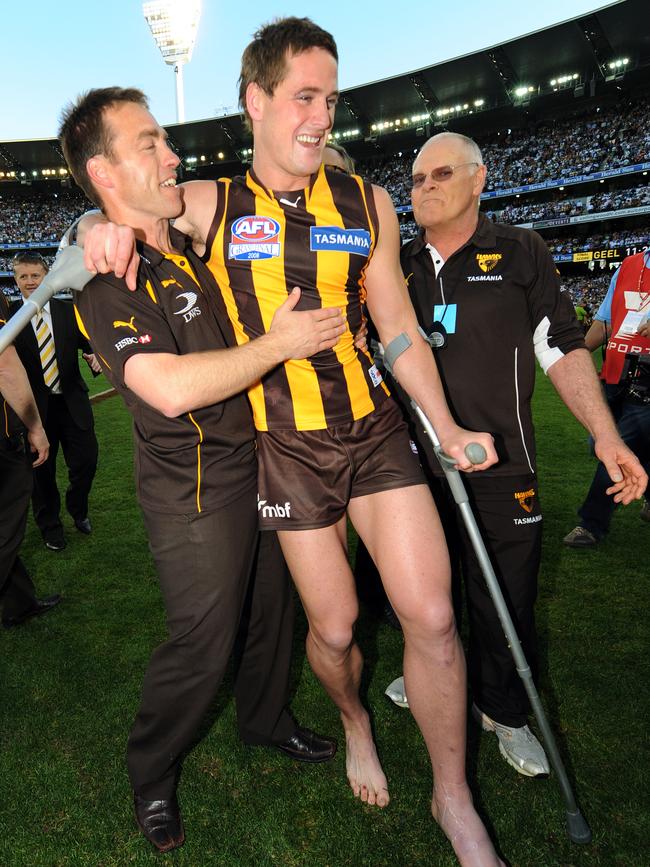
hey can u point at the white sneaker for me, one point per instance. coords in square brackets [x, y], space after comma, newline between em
[518, 746]
[580, 537]
[396, 693]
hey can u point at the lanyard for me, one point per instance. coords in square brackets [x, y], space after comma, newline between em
[643, 296]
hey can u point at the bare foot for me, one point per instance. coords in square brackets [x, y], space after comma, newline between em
[454, 811]
[364, 771]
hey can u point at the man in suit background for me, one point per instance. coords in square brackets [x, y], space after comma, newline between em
[21, 433]
[49, 353]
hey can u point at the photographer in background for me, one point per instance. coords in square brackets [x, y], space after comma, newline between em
[622, 326]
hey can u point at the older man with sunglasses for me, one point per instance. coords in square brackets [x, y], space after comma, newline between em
[490, 299]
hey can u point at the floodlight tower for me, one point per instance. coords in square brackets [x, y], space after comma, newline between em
[174, 25]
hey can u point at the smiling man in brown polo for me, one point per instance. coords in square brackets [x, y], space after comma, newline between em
[165, 348]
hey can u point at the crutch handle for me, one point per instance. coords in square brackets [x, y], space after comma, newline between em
[474, 452]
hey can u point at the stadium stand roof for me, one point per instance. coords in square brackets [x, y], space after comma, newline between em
[583, 46]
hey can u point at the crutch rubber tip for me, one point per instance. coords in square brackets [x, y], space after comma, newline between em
[475, 453]
[579, 830]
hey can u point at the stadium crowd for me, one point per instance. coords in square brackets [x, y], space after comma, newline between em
[598, 203]
[608, 139]
[588, 289]
[623, 238]
[38, 217]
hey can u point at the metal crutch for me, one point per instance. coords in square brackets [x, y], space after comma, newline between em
[68, 272]
[577, 827]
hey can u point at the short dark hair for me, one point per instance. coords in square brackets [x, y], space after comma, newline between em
[84, 134]
[28, 257]
[264, 60]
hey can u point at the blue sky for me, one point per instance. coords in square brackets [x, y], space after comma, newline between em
[54, 51]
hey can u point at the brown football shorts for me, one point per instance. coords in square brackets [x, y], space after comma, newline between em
[307, 478]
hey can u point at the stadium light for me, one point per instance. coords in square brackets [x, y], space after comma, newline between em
[348, 133]
[619, 64]
[524, 90]
[174, 25]
[564, 79]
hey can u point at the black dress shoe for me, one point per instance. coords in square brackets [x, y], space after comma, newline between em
[54, 541]
[304, 745]
[160, 822]
[84, 526]
[41, 606]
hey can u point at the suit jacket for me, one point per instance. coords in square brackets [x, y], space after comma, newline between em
[68, 340]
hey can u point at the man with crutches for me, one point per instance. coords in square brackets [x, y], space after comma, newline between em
[489, 298]
[337, 414]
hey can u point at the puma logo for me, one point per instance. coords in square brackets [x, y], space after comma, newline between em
[118, 322]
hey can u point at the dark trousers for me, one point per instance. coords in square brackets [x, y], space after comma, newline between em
[16, 587]
[80, 453]
[511, 529]
[633, 422]
[215, 571]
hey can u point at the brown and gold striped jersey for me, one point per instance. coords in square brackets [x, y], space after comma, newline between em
[261, 244]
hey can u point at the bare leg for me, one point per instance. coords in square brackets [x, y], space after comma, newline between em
[402, 532]
[318, 563]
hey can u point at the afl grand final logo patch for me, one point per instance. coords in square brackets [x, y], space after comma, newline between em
[254, 237]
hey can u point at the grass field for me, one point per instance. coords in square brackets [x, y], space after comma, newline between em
[70, 684]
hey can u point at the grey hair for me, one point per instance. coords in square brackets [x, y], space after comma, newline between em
[473, 150]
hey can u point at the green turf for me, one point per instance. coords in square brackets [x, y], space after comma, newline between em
[70, 683]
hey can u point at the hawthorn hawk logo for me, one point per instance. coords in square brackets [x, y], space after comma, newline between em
[525, 499]
[487, 261]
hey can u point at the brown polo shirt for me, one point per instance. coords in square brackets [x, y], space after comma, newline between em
[500, 302]
[200, 460]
